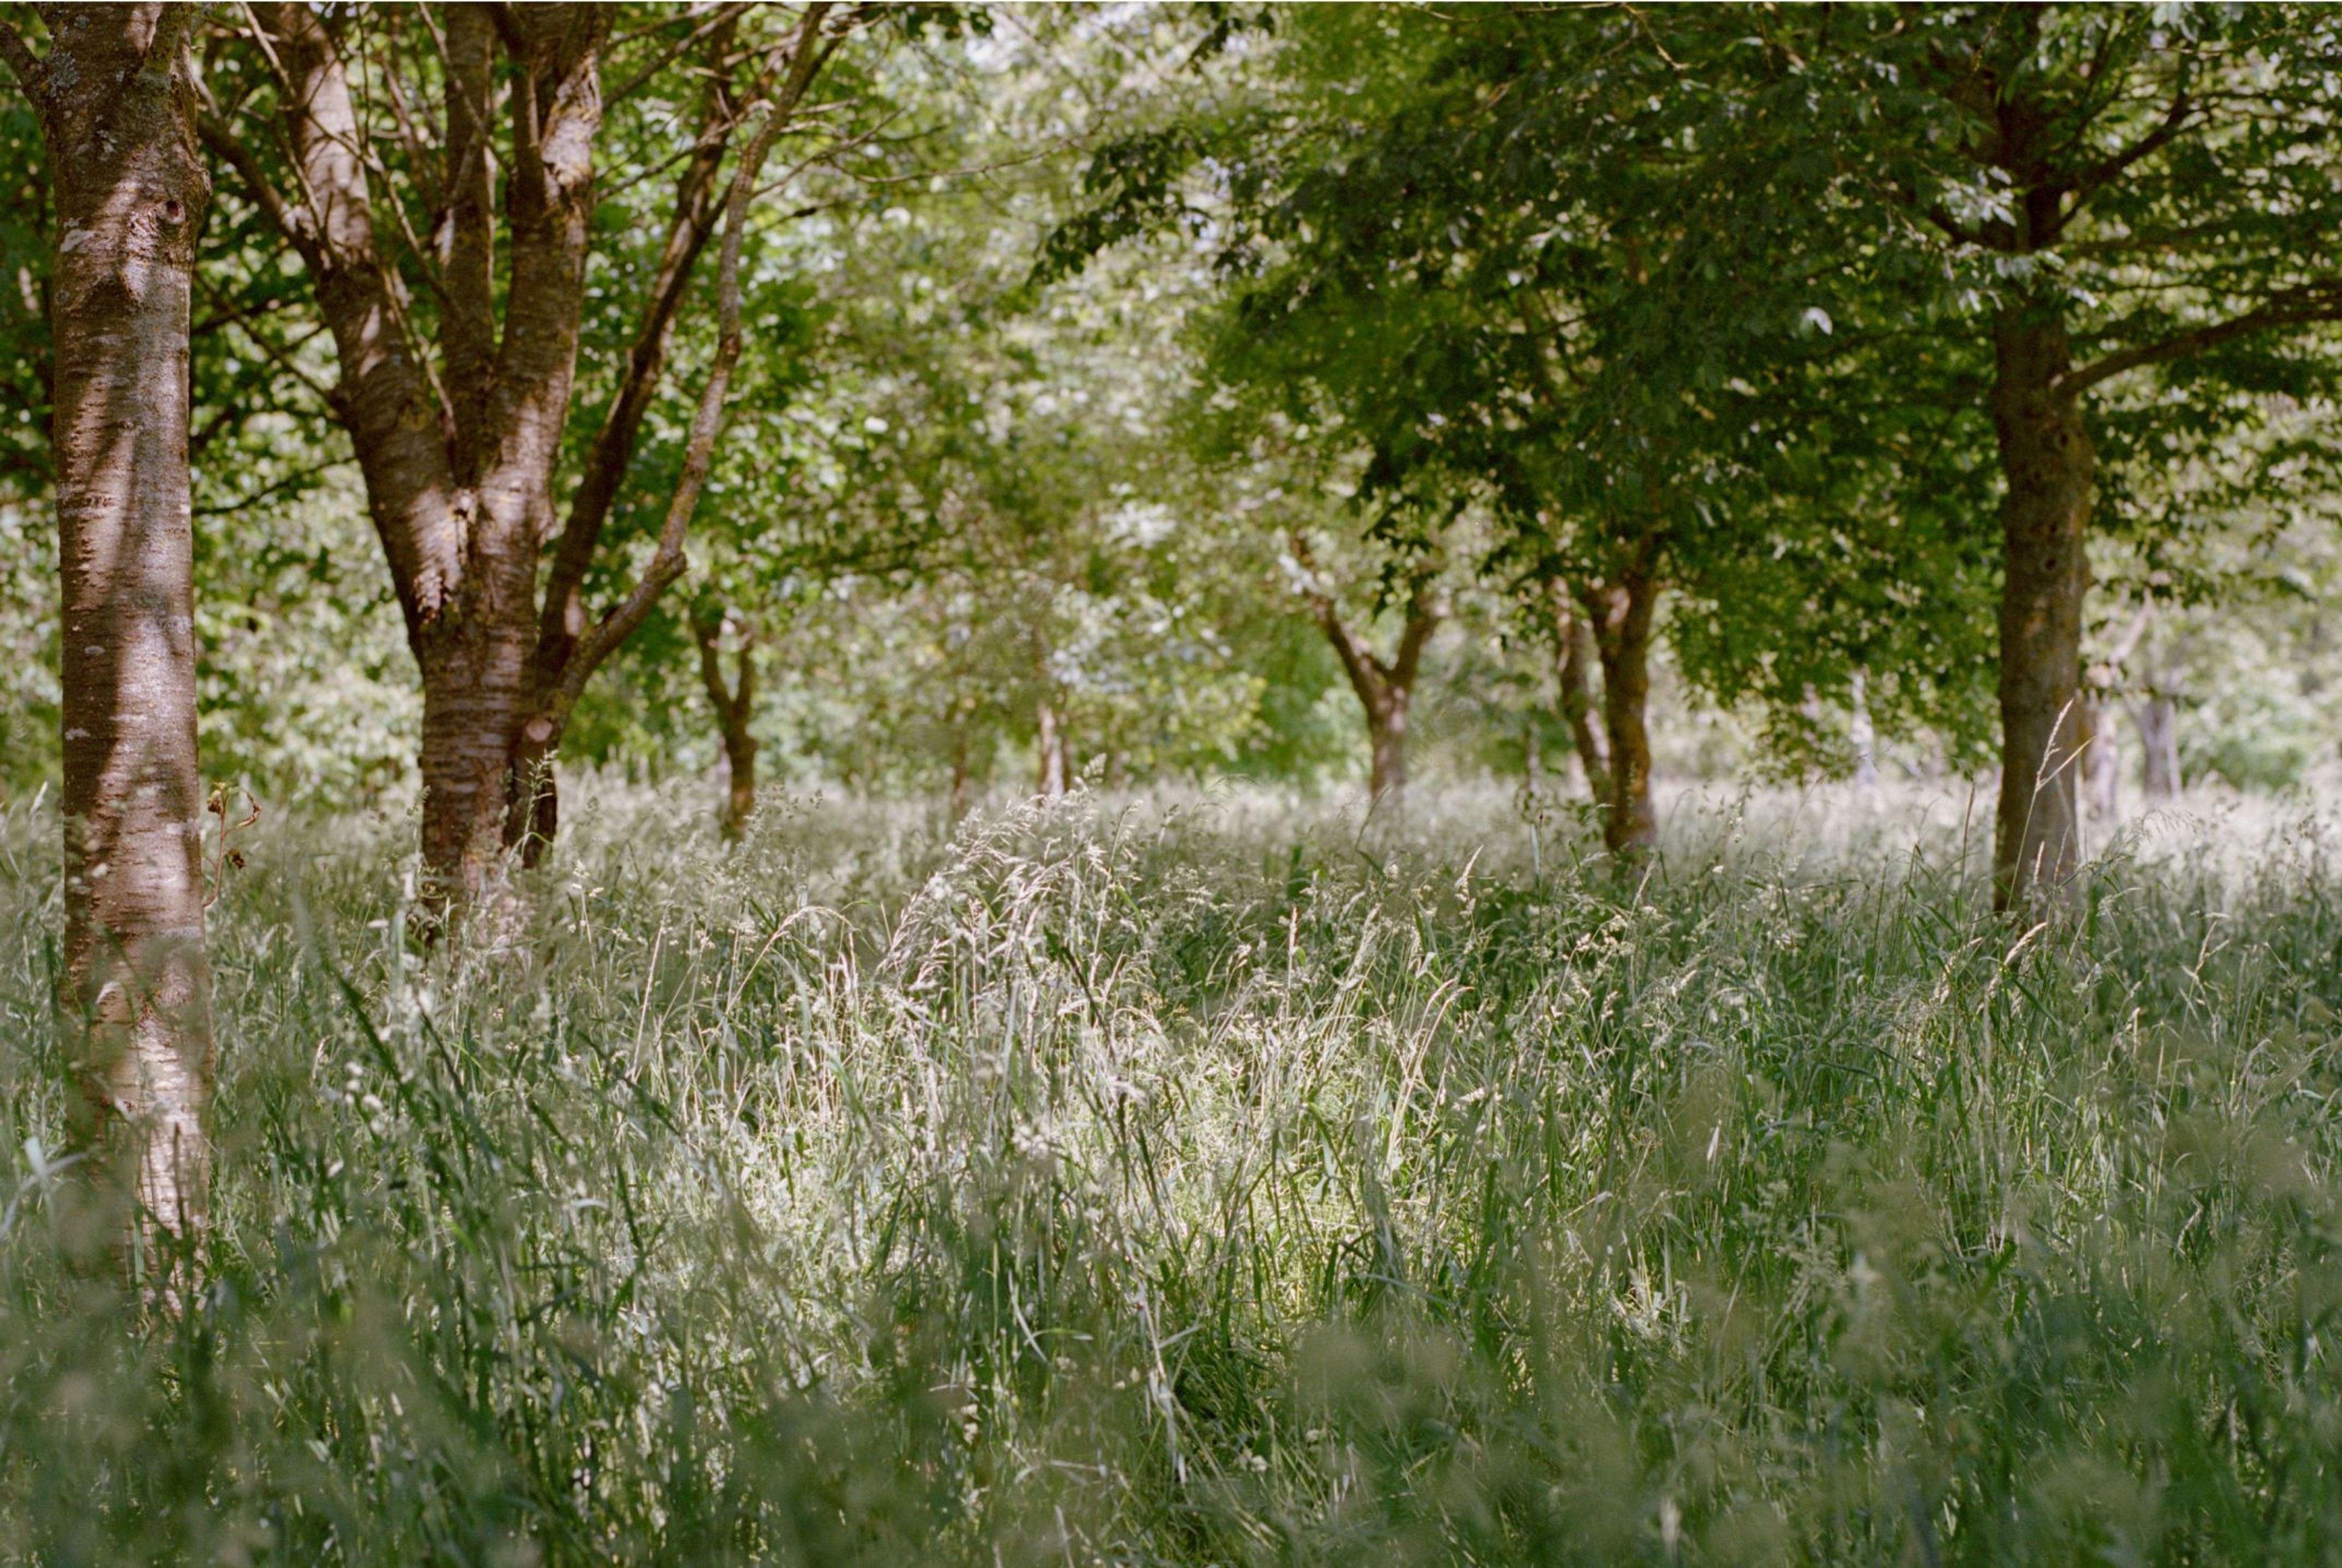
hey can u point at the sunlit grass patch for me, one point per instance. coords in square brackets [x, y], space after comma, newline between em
[1216, 1181]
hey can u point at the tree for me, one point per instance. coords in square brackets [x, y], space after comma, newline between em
[456, 311]
[115, 97]
[957, 497]
[1573, 658]
[1491, 249]
[2103, 223]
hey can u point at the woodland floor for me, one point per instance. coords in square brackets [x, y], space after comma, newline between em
[1222, 1181]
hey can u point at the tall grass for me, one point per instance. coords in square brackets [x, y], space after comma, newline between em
[1226, 1183]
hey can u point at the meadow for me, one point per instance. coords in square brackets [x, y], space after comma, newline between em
[1216, 1179]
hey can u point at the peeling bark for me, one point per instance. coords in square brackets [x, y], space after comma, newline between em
[117, 104]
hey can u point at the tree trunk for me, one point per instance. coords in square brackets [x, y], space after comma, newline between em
[1622, 614]
[1385, 690]
[2101, 760]
[1863, 736]
[2158, 720]
[474, 670]
[734, 705]
[740, 796]
[2048, 466]
[1387, 745]
[118, 109]
[1050, 743]
[1578, 656]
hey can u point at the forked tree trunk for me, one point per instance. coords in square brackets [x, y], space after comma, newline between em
[460, 459]
[1575, 633]
[1385, 688]
[1622, 614]
[117, 104]
[735, 706]
[2048, 466]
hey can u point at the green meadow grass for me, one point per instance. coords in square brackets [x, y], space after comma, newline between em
[1219, 1182]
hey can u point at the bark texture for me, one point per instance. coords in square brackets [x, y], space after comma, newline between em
[2049, 466]
[734, 702]
[117, 104]
[1621, 614]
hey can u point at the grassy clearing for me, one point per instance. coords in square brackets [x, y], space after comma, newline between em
[1219, 1184]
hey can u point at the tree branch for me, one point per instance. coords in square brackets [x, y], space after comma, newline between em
[693, 223]
[2300, 306]
[31, 74]
[722, 19]
[224, 144]
[732, 700]
[562, 620]
[1358, 662]
[2110, 169]
[387, 390]
[1424, 612]
[667, 563]
[468, 330]
[171, 30]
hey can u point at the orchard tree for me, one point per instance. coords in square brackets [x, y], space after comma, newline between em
[733, 698]
[116, 100]
[992, 458]
[1487, 249]
[435, 177]
[2106, 222]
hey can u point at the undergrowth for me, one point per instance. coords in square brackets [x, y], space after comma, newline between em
[1230, 1183]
